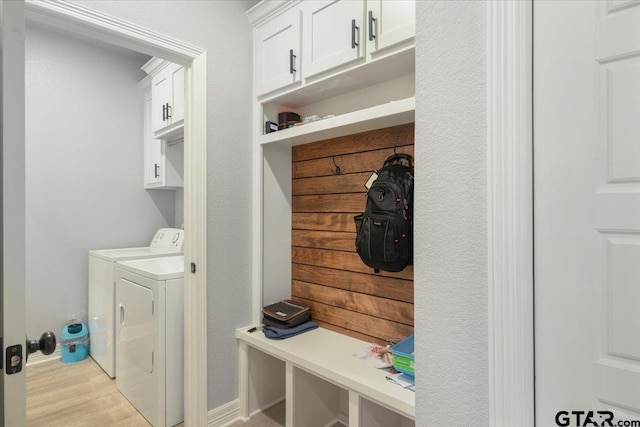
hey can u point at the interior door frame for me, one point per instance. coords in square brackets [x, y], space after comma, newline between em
[12, 230]
[510, 212]
[89, 23]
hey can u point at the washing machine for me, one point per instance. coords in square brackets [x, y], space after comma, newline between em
[150, 336]
[102, 290]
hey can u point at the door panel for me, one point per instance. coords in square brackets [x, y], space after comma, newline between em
[275, 43]
[328, 34]
[177, 105]
[12, 403]
[617, 61]
[395, 22]
[587, 207]
[161, 95]
[153, 147]
[135, 345]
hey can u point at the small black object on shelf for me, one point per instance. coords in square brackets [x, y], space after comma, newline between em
[287, 119]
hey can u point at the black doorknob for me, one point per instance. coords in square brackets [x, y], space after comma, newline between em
[46, 344]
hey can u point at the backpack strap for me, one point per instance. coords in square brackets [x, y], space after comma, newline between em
[398, 158]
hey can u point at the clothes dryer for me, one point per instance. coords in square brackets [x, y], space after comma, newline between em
[149, 332]
[102, 283]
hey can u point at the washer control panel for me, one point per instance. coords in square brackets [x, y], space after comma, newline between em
[169, 238]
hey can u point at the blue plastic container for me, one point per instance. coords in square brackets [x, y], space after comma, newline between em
[403, 358]
[74, 342]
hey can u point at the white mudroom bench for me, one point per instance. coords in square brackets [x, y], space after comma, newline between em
[320, 381]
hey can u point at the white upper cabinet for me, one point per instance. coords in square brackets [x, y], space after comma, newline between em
[389, 22]
[311, 50]
[277, 45]
[163, 162]
[333, 34]
[167, 92]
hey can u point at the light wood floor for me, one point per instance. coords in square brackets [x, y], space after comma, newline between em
[76, 394]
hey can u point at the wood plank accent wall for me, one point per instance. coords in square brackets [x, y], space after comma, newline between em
[344, 294]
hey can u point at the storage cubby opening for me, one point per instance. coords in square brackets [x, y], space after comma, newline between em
[374, 415]
[318, 403]
[267, 378]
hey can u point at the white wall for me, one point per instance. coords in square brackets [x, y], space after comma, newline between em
[221, 28]
[451, 227]
[84, 185]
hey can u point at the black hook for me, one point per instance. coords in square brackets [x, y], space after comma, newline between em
[394, 150]
[337, 170]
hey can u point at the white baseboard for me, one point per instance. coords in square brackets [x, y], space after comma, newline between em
[37, 358]
[224, 415]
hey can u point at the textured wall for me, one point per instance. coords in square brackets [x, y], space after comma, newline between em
[451, 229]
[223, 30]
[84, 185]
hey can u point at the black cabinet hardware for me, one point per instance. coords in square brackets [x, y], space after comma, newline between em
[372, 23]
[354, 28]
[292, 62]
[157, 170]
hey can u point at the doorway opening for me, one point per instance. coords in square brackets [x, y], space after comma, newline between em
[80, 22]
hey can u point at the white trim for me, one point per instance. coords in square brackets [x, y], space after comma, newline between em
[266, 10]
[38, 358]
[256, 208]
[12, 282]
[510, 212]
[224, 415]
[82, 21]
[195, 214]
[89, 23]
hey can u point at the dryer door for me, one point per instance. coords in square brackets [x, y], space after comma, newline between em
[136, 375]
[135, 319]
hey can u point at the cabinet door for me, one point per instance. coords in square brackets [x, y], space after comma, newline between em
[278, 52]
[333, 34]
[389, 22]
[152, 148]
[161, 94]
[176, 107]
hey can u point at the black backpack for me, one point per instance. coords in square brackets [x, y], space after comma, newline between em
[384, 232]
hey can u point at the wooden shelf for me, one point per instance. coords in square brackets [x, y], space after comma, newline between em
[381, 116]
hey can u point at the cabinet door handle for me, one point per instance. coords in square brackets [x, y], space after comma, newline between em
[157, 170]
[292, 62]
[372, 23]
[354, 28]
[164, 112]
[168, 115]
[121, 314]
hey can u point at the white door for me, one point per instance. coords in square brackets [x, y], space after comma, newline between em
[389, 23]
[176, 108]
[136, 368]
[277, 45]
[333, 34]
[587, 211]
[161, 94]
[12, 399]
[152, 147]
